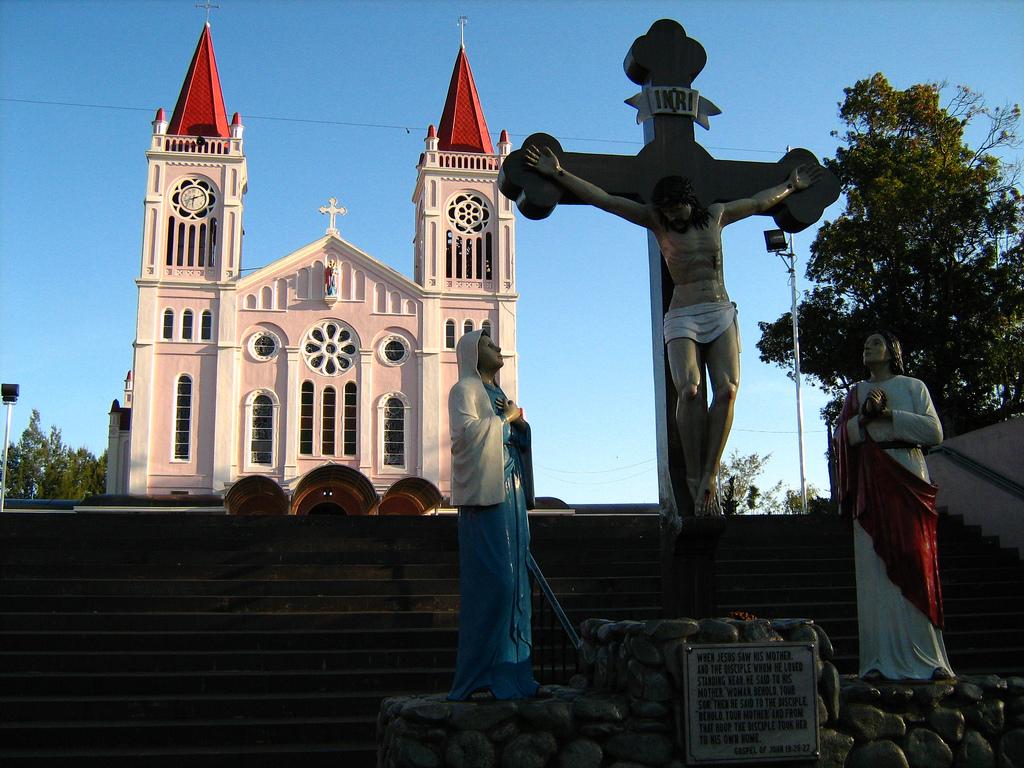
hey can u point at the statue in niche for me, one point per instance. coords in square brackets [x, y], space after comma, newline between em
[701, 326]
[492, 485]
[884, 485]
[331, 278]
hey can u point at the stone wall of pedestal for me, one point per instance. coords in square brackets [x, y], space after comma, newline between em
[625, 710]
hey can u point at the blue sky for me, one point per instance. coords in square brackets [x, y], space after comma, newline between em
[336, 97]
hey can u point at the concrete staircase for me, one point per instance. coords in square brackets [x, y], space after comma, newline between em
[803, 566]
[202, 640]
[198, 640]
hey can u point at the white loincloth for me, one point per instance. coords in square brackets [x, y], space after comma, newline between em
[703, 323]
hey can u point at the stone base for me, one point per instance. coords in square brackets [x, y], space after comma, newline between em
[625, 710]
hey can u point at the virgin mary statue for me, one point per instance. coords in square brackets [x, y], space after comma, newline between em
[492, 486]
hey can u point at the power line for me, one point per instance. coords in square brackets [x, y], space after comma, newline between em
[595, 471]
[779, 431]
[349, 124]
[598, 482]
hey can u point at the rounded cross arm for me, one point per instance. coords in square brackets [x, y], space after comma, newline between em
[535, 196]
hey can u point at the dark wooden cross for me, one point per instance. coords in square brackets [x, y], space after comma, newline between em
[665, 62]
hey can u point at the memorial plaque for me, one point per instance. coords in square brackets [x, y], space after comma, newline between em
[750, 702]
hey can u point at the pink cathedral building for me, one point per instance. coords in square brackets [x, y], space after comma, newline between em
[319, 382]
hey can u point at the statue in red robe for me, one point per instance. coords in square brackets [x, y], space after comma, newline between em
[884, 485]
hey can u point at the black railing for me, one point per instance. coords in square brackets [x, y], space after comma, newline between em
[555, 641]
[978, 469]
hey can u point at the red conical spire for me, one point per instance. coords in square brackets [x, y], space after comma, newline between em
[462, 127]
[200, 108]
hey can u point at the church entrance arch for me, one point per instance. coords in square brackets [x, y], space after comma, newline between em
[410, 496]
[256, 495]
[334, 489]
[327, 508]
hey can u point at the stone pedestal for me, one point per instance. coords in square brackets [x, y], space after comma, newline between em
[688, 566]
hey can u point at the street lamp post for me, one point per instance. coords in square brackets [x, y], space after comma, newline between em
[9, 393]
[775, 241]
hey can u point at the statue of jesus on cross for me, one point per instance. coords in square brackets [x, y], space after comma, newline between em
[700, 324]
[684, 197]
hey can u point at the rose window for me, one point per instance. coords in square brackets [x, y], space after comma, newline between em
[468, 213]
[329, 348]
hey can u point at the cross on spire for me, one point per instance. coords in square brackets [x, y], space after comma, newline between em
[332, 210]
[462, 30]
[207, 5]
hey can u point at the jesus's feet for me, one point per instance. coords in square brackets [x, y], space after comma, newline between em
[706, 500]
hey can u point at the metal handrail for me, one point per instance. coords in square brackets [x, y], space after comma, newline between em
[980, 470]
[545, 588]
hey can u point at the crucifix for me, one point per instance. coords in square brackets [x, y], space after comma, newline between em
[207, 5]
[684, 241]
[332, 210]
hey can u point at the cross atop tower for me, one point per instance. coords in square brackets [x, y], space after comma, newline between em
[332, 210]
[462, 30]
[207, 5]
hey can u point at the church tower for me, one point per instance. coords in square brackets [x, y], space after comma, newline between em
[191, 256]
[464, 248]
[465, 229]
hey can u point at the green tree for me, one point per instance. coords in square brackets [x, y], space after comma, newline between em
[929, 247]
[41, 466]
[742, 494]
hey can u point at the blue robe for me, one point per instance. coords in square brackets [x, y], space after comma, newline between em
[495, 642]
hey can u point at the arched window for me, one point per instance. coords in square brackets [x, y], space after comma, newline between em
[202, 245]
[350, 423]
[213, 243]
[327, 421]
[447, 255]
[186, 325]
[449, 334]
[282, 293]
[468, 217]
[306, 419]
[262, 432]
[485, 326]
[183, 418]
[168, 324]
[394, 433]
[467, 327]
[488, 259]
[170, 241]
[206, 325]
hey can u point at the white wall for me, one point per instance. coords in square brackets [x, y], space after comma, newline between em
[999, 513]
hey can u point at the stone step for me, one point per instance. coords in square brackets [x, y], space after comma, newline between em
[355, 754]
[188, 604]
[111, 682]
[229, 640]
[814, 563]
[978, 575]
[552, 567]
[837, 608]
[282, 531]
[1012, 591]
[52, 559]
[178, 621]
[159, 662]
[45, 587]
[167, 733]
[200, 706]
[840, 546]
